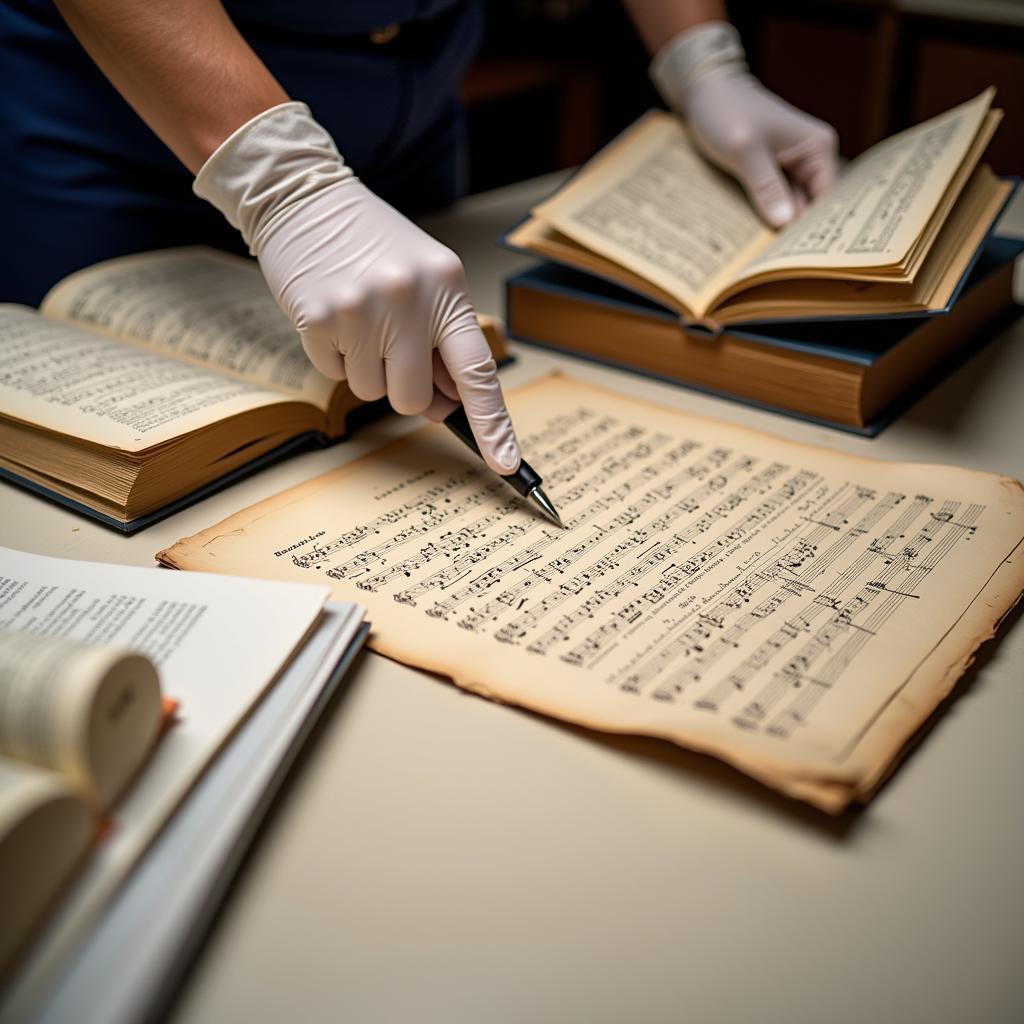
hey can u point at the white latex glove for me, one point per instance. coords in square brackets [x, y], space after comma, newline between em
[782, 156]
[376, 301]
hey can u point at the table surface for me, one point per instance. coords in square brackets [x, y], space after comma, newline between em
[437, 857]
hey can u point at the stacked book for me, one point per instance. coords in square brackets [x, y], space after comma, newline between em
[145, 383]
[656, 262]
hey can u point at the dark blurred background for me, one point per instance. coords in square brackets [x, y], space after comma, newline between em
[556, 79]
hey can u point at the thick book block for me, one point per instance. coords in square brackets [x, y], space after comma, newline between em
[148, 382]
[852, 374]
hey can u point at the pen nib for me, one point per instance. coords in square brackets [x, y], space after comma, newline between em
[543, 502]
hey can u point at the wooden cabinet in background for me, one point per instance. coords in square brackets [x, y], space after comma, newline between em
[872, 68]
[556, 79]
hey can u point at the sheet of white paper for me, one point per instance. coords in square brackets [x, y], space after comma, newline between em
[188, 867]
[218, 643]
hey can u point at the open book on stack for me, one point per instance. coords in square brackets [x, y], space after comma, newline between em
[144, 382]
[79, 700]
[664, 250]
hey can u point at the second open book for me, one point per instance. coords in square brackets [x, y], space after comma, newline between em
[895, 235]
[145, 381]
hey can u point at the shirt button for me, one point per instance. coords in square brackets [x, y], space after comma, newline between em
[380, 36]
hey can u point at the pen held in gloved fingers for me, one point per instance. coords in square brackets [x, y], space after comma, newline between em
[525, 479]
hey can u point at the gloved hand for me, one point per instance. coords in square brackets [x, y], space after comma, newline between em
[780, 155]
[376, 301]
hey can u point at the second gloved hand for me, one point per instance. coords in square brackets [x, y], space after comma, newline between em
[782, 156]
[376, 301]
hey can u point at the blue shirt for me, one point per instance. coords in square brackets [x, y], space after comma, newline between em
[84, 179]
[343, 17]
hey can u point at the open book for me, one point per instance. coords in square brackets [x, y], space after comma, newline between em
[795, 611]
[896, 235]
[85, 716]
[76, 721]
[142, 380]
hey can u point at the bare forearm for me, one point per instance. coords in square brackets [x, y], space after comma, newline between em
[658, 21]
[183, 66]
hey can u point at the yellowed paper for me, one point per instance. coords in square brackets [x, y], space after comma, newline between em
[88, 711]
[884, 201]
[654, 205]
[933, 287]
[23, 789]
[197, 304]
[97, 389]
[44, 829]
[777, 605]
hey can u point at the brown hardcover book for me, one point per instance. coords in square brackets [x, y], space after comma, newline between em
[854, 374]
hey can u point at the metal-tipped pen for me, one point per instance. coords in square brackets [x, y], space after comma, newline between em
[526, 480]
[543, 502]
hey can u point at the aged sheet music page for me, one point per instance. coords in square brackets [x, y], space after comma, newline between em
[794, 611]
[655, 206]
[209, 308]
[92, 387]
[658, 208]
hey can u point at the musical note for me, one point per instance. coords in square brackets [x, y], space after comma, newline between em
[649, 516]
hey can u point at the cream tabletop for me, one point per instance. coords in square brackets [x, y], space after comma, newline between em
[436, 857]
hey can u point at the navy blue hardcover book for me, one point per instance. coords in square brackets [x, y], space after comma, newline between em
[852, 374]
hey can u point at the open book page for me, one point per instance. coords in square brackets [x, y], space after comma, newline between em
[760, 600]
[884, 200]
[45, 828]
[196, 304]
[653, 204]
[933, 288]
[540, 238]
[218, 644]
[89, 711]
[91, 387]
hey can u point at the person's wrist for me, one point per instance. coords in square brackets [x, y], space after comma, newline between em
[266, 167]
[678, 68]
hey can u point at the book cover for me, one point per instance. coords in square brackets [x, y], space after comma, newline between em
[858, 342]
